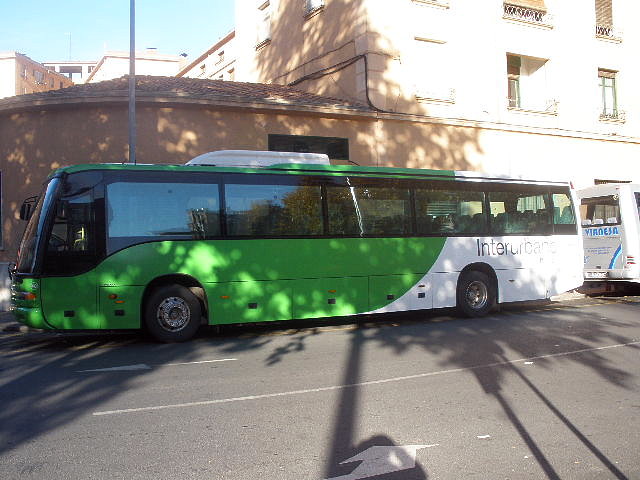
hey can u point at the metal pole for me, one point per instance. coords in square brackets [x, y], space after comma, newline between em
[132, 82]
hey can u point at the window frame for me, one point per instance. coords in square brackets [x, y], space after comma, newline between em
[603, 75]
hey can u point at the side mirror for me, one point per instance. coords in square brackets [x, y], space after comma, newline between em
[26, 210]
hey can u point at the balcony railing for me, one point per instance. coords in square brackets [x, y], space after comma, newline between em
[613, 116]
[529, 15]
[608, 32]
[549, 106]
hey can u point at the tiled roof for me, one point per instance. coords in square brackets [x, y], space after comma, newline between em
[193, 88]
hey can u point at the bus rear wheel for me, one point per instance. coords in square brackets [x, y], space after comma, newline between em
[172, 314]
[476, 294]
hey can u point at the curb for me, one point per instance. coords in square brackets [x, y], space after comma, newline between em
[17, 328]
[572, 295]
[8, 324]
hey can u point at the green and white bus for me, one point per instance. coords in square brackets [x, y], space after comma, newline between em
[237, 237]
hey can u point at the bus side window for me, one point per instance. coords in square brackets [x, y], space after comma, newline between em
[273, 210]
[519, 213]
[368, 210]
[446, 212]
[564, 219]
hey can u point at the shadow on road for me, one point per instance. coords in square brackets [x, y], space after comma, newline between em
[486, 347]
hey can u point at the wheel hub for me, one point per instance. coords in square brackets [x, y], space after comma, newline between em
[173, 314]
[477, 295]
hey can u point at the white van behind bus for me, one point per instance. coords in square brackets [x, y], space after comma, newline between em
[611, 233]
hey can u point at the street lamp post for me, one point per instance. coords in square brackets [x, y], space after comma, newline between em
[132, 82]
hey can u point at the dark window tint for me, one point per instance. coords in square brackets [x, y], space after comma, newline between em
[600, 211]
[273, 210]
[144, 211]
[519, 213]
[444, 212]
[638, 202]
[71, 246]
[335, 148]
[368, 211]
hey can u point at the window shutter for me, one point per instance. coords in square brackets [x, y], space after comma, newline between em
[604, 13]
[513, 65]
[534, 4]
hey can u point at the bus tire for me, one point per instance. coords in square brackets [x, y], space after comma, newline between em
[172, 314]
[476, 294]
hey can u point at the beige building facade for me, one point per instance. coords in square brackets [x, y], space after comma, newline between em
[20, 75]
[148, 62]
[546, 85]
[217, 63]
[77, 71]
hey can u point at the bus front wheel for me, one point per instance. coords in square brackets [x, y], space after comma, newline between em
[172, 314]
[476, 294]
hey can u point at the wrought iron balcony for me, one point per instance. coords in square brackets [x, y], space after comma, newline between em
[528, 15]
[608, 32]
[616, 115]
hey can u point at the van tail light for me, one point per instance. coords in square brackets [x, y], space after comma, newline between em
[631, 260]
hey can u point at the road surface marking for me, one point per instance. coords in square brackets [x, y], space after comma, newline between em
[144, 366]
[353, 385]
[380, 460]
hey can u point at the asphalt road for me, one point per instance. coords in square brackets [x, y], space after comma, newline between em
[532, 392]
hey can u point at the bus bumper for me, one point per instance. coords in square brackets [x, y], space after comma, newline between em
[30, 316]
[26, 303]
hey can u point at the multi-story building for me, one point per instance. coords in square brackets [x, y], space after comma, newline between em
[148, 62]
[217, 63]
[77, 71]
[20, 75]
[540, 86]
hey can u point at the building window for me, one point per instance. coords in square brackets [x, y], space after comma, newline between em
[335, 148]
[264, 24]
[39, 77]
[527, 84]
[529, 11]
[312, 6]
[432, 55]
[608, 95]
[513, 80]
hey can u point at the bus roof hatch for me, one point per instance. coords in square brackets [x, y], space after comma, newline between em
[253, 159]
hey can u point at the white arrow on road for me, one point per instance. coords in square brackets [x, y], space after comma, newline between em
[380, 460]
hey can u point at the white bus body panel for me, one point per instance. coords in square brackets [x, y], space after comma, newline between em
[612, 252]
[527, 268]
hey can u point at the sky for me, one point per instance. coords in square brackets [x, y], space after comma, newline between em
[41, 29]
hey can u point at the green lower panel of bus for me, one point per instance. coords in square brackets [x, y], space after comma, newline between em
[327, 297]
[251, 301]
[387, 288]
[245, 280]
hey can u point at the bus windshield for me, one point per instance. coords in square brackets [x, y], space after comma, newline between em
[33, 232]
[600, 211]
